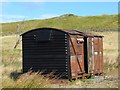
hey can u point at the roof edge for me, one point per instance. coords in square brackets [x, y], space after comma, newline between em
[43, 28]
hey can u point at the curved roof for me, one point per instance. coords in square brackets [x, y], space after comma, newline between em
[71, 32]
[44, 28]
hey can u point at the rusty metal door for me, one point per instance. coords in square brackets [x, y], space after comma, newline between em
[101, 54]
[77, 56]
[98, 55]
[90, 48]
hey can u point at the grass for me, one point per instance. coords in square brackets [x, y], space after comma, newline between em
[27, 80]
[12, 62]
[67, 21]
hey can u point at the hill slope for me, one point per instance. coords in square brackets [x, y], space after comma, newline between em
[67, 21]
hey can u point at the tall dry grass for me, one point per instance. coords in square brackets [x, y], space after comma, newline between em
[12, 62]
[27, 80]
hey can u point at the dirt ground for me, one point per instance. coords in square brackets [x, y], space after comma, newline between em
[110, 80]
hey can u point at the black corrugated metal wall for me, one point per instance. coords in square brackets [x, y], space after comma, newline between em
[46, 50]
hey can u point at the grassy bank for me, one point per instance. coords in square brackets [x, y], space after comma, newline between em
[67, 21]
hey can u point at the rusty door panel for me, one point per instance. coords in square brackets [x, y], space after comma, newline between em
[98, 55]
[74, 67]
[73, 58]
[101, 55]
[79, 47]
[96, 49]
[77, 60]
[95, 64]
[90, 54]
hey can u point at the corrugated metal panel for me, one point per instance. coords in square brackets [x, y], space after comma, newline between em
[45, 55]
